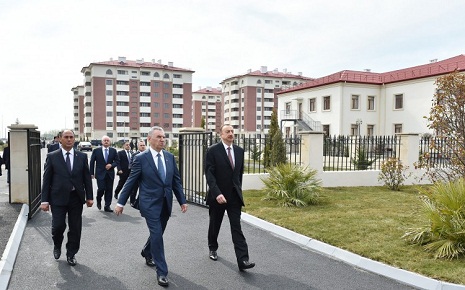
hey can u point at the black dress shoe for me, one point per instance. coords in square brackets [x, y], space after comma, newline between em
[162, 280]
[108, 209]
[71, 261]
[56, 253]
[99, 204]
[213, 255]
[246, 265]
[148, 261]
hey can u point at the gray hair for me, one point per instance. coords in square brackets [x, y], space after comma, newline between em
[155, 128]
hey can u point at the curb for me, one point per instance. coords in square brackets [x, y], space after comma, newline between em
[11, 250]
[403, 276]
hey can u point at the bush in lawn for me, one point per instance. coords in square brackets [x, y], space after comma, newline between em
[393, 173]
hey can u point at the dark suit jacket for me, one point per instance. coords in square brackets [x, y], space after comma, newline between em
[53, 147]
[221, 178]
[97, 161]
[123, 161]
[58, 182]
[152, 189]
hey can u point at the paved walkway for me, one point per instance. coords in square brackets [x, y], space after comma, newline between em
[110, 258]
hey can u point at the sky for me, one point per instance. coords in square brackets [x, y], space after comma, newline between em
[44, 44]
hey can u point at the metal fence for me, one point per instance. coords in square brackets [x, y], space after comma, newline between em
[346, 153]
[435, 151]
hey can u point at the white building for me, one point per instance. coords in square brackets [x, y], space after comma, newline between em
[365, 103]
[249, 99]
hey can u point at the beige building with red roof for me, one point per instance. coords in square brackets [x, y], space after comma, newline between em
[124, 99]
[249, 99]
[207, 104]
[365, 103]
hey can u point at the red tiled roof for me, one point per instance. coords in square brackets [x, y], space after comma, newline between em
[208, 91]
[416, 72]
[132, 63]
[270, 74]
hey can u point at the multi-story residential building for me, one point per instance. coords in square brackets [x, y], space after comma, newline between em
[124, 99]
[249, 99]
[366, 103]
[207, 105]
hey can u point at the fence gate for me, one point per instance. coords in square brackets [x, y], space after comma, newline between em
[192, 149]
[34, 172]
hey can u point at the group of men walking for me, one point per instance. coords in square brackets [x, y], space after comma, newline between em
[151, 172]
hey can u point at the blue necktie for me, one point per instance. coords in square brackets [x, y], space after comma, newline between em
[68, 162]
[106, 155]
[161, 169]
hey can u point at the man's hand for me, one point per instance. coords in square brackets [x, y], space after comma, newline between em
[45, 206]
[184, 208]
[89, 202]
[118, 210]
[108, 166]
[221, 199]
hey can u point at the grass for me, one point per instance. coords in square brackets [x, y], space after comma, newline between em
[368, 221]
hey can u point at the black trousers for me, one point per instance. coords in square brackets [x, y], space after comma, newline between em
[105, 188]
[216, 212]
[122, 180]
[74, 212]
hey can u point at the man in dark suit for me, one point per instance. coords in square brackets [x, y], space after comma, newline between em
[224, 168]
[157, 174]
[124, 166]
[104, 159]
[132, 199]
[67, 185]
[56, 143]
[6, 161]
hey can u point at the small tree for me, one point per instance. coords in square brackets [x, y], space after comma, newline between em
[278, 151]
[361, 160]
[447, 119]
[274, 127]
[393, 173]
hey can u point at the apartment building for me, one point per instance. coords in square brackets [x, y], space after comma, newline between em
[363, 102]
[207, 105]
[124, 99]
[249, 99]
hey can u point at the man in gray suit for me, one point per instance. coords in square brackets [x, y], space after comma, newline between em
[67, 185]
[158, 177]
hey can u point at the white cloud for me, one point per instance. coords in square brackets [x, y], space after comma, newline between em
[45, 43]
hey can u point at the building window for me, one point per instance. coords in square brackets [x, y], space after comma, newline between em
[370, 130]
[109, 93]
[178, 86]
[398, 101]
[353, 129]
[109, 124]
[166, 76]
[155, 74]
[259, 82]
[145, 104]
[122, 83]
[177, 76]
[268, 81]
[144, 94]
[326, 130]
[122, 72]
[166, 85]
[109, 103]
[109, 82]
[156, 84]
[312, 105]
[144, 73]
[327, 103]
[166, 105]
[156, 104]
[288, 108]
[156, 95]
[145, 114]
[165, 95]
[146, 84]
[397, 128]
[109, 114]
[156, 115]
[109, 72]
[354, 102]
[166, 115]
[371, 103]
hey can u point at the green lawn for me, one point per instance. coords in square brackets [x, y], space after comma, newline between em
[368, 221]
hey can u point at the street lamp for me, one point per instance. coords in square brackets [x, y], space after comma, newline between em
[359, 123]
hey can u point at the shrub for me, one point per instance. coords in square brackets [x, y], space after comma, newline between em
[292, 185]
[393, 173]
[444, 234]
[361, 160]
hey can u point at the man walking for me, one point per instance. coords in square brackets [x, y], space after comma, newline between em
[66, 186]
[224, 168]
[104, 159]
[157, 174]
[124, 166]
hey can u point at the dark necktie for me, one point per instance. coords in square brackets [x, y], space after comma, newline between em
[161, 169]
[230, 158]
[106, 155]
[68, 162]
[129, 159]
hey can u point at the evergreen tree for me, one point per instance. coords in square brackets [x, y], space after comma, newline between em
[278, 151]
